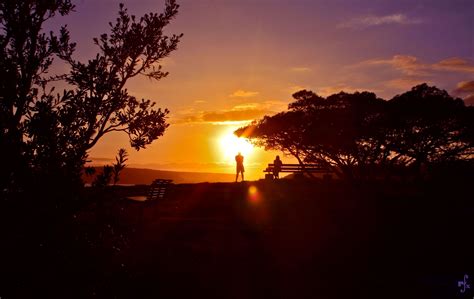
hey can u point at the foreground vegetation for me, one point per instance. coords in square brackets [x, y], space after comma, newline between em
[266, 239]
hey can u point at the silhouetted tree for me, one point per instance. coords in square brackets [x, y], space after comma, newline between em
[359, 135]
[336, 132]
[48, 136]
[426, 125]
[26, 53]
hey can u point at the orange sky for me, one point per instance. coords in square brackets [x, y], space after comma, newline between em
[240, 60]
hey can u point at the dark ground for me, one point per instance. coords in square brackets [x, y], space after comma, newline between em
[290, 239]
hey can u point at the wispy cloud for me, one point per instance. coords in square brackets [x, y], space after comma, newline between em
[411, 71]
[99, 160]
[244, 94]
[240, 113]
[455, 64]
[373, 20]
[469, 100]
[466, 90]
[333, 89]
[301, 69]
[465, 87]
[329, 89]
[405, 83]
[295, 88]
[412, 66]
[233, 115]
[407, 64]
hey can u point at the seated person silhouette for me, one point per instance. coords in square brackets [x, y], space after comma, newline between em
[277, 167]
[239, 159]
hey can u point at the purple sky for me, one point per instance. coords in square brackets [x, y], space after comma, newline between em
[243, 58]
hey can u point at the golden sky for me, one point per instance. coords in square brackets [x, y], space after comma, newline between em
[242, 59]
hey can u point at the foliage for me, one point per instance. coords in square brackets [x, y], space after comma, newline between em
[103, 179]
[110, 173]
[46, 137]
[428, 126]
[360, 135]
[26, 54]
[119, 164]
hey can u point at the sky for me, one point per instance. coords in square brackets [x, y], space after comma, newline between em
[242, 59]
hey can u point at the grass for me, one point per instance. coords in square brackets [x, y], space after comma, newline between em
[285, 239]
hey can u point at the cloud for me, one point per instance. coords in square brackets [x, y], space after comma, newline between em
[295, 88]
[412, 66]
[241, 113]
[100, 160]
[469, 100]
[464, 87]
[405, 83]
[275, 105]
[408, 65]
[330, 90]
[233, 115]
[246, 106]
[372, 20]
[200, 101]
[244, 94]
[301, 69]
[413, 71]
[454, 64]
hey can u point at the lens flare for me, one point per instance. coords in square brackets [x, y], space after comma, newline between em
[254, 194]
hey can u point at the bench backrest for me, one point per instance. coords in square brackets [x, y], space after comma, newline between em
[158, 189]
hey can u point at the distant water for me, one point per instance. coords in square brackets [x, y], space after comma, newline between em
[126, 185]
[137, 176]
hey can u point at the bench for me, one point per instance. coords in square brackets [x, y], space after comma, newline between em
[158, 189]
[296, 169]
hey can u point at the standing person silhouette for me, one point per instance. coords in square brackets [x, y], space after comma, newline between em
[277, 167]
[239, 160]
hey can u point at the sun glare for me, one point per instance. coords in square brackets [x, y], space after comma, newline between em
[230, 145]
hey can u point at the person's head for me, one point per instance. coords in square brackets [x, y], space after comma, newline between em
[278, 157]
[239, 154]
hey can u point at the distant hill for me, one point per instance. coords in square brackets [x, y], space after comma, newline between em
[137, 176]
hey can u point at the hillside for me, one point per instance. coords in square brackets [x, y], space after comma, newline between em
[136, 176]
[266, 239]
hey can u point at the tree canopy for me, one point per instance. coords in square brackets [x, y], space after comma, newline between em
[360, 135]
[44, 134]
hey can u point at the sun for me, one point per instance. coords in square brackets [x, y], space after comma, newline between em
[230, 145]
